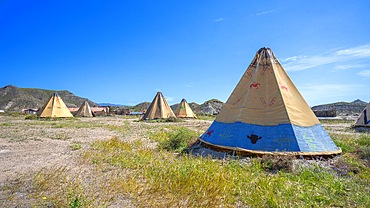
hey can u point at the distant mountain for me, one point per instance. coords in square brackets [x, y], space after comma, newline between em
[111, 104]
[353, 108]
[15, 99]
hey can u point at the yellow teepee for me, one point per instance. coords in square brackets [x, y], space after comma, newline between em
[183, 110]
[55, 107]
[266, 114]
[364, 119]
[159, 108]
[84, 110]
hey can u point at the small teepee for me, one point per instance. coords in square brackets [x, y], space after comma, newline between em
[364, 119]
[84, 110]
[55, 107]
[265, 114]
[159, 109]
[183, 110]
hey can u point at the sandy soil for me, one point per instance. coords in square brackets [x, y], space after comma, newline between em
[28, 146]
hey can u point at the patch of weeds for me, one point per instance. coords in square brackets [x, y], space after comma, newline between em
[206, 117]
[161, 179]
[10, 188]
[175, 139]
[163, 120]
[347, 165]
[75, 146]
[34, 139]
[160, 135]
[12, 114]
[121, 129]
[327, 128]
[271, 163]
[66, 123]
[364, 140]
[335, 121]
[363, 154]
[21, 139]
[31, 117]
[58, 187]
[6, 124]
[75, 201]
[61, 136]
[345, 142]
[346, 147]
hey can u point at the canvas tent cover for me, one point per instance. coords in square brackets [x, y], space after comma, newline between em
[265, 114]
[159, 108]
[84, 110]
[55, 107]
[364, 118]
[183, 110]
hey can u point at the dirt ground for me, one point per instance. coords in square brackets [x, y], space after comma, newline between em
[28, 146]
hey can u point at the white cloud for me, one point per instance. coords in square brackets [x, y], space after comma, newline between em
[320, 93]
[218, 19]
[364, 73]
[339, 57]
[359, 51]
[347, 66]
[265, 12]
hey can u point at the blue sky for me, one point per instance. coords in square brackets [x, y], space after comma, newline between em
[125, 51]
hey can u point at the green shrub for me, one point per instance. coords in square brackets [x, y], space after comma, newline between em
[178, 139]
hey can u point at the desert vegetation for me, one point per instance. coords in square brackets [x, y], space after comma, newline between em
[119, 162]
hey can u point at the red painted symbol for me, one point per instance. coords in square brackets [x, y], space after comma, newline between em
[249, 74]
[263, 101]
[283, 86]
[255, 85]
[210, 132]
[238, 100]
[272, 101]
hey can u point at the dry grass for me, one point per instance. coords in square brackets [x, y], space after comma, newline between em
[117, 162]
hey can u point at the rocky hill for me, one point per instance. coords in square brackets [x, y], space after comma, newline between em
[14, 99]
[353, 108]
[210, 107]
[141, 107]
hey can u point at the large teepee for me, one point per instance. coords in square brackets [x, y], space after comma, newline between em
[265, 114]
[55, 107]
[84, 110]
[364, 119]
[159, 108]
[183, 110]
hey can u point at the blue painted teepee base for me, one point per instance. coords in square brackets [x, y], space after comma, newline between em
[282, 139]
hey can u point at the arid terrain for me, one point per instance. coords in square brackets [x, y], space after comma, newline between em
[28, 146]
[31, 150]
